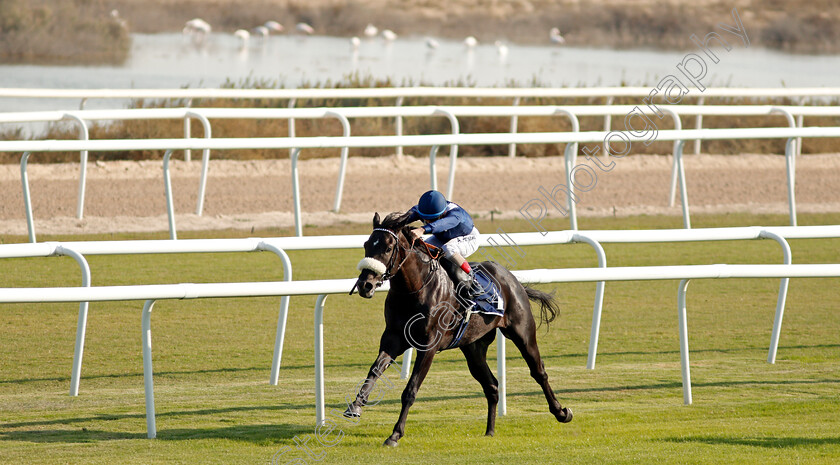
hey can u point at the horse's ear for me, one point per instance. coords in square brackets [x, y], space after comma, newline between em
[376, 222]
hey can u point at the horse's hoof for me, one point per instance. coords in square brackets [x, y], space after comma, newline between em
[353, 412]
[489, 434]
[391, 443]
[569, 415]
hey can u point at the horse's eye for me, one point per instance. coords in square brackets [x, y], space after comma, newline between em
[389, 249]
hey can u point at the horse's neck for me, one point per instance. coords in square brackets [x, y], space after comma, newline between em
[413, 272]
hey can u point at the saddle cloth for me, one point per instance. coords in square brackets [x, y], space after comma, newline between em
[488, 300]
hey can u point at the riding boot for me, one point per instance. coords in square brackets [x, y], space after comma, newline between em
[464, 283]
[466, 288]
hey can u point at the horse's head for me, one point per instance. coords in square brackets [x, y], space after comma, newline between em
[382, 250]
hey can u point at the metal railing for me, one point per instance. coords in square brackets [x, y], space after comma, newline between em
[452, 112]
[278, 245]
[151, 293]
[571, 139]
[399, 94]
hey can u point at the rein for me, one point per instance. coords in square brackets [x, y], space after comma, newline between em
[432, 251]
[388, 273]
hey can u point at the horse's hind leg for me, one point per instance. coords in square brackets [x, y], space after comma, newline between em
[476, 354]
[524, 336]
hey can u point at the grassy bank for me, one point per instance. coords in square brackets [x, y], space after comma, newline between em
[150, 129]
[83, 32]
[212, 358]
[73, 32]
[802, 26]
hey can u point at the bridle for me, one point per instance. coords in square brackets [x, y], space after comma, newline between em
[432, 251]
[388, 273]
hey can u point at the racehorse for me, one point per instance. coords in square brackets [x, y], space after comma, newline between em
[422, 311]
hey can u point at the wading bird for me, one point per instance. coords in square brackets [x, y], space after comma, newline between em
[304, 28]
[556, 38]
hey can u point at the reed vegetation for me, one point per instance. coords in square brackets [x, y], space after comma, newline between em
[73, 32]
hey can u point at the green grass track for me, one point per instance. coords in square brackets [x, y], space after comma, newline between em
[212, 359]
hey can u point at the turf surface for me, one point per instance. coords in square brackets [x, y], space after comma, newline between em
[212, 360]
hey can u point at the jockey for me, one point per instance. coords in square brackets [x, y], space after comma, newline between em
[452, 230]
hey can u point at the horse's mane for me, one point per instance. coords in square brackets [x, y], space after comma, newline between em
[396, 221]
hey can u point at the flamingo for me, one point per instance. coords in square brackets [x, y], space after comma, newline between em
[197, 26]
[261, 31]
[431, 43]
[198, 30]
[304, 28]
[389, 35]
[470, 42]
[556, 38]
[371, 31]
[273, 26]
[243, 37]
[115, 15]
[354, 43]
[501, 48]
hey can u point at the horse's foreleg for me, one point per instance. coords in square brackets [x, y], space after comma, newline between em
[354, 408]
[409, 394]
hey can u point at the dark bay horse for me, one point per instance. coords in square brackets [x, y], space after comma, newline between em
[421, 311]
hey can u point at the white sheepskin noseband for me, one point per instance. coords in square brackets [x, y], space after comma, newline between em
[372, 264]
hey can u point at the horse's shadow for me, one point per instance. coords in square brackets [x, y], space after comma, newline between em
[63, 430]
[767, 442]
[257, 434]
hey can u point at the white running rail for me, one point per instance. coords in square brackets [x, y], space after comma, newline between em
[399, 94]
[570, 138]
[151, 293]
[593, 238]
[452, 112]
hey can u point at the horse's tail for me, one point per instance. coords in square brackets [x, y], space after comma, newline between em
[548, 306]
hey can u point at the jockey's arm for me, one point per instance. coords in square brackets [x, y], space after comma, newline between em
[443, 224]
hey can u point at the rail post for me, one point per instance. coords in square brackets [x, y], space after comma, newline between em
[205, 161]
[81, 325]
[780, 301]
[514, 127]
[280, 334]
[84, 134]
[683, 330]
[296, 191]
[319, 358]
[167, 187]
[27, 198]
[342, 169]
[148, 375]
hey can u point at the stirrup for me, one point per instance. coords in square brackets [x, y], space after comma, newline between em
[465, 292]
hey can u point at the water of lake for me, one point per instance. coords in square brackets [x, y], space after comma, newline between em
[173, 61]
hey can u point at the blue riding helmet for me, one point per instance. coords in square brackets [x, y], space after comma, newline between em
[432, 204]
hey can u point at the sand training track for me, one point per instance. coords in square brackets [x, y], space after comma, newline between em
[129, 196]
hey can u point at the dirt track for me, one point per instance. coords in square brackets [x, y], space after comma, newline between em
[129, 196]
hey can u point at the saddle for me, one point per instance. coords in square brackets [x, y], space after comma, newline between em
[485, 297]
